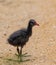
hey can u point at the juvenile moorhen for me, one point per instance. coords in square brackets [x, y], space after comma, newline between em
[20, 37]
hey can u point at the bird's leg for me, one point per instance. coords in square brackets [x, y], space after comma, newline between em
[17, 49]
[21, 51]
[20, 54]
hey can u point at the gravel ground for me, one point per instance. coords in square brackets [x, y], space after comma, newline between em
[14, 15]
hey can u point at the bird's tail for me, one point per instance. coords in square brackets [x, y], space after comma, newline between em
[9, 40]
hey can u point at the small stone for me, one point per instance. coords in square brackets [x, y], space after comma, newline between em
[9, 49]
[5, 33]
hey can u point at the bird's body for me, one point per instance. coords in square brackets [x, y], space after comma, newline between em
[20, 37]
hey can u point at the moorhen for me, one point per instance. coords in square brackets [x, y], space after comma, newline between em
[20, 37]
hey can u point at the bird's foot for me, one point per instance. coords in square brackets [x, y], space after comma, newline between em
[24, 60]
[23, 55]
[21, 59]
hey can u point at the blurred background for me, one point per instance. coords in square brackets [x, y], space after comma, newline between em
[14, 15]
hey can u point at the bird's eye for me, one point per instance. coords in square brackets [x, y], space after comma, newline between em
[32, 23]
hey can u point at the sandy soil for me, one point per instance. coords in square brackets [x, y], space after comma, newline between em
[14, 15]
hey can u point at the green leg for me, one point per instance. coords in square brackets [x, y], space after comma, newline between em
[20, 54]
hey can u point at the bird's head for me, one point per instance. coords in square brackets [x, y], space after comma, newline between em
[32, 22]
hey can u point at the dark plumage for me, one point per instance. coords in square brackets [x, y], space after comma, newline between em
[20, 37]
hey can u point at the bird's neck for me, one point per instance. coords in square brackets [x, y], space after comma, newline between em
[29, 30]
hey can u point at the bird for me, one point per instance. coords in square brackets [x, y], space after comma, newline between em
[20, 37]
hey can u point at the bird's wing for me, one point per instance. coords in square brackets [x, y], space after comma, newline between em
[20, 38]
[18, 35]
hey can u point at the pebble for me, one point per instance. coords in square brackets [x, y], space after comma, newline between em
[5, 33]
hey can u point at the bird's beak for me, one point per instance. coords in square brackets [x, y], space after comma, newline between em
[37, 24]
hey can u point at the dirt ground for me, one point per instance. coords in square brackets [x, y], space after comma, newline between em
[14, 15]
